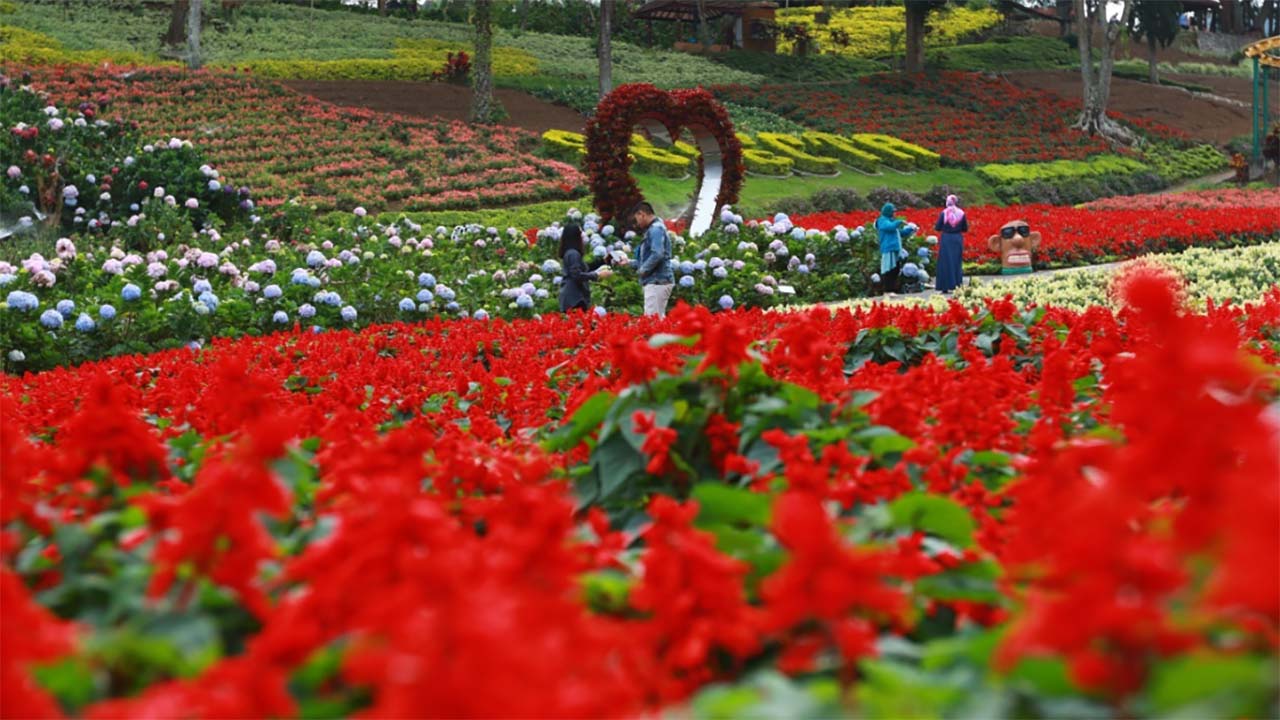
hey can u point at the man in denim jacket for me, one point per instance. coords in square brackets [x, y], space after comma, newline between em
[653, 260]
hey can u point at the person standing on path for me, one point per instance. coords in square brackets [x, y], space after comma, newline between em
[653, 260]
[575, 289]
[953, 224]
[890, 231]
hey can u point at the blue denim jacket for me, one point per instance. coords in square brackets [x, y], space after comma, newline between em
[653, 256]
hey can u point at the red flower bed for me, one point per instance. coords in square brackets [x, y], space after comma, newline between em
[1268, 199]
[381, 522]
[963, 116]
[284, 145]
[1082, 236]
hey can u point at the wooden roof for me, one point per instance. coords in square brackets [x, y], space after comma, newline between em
[687, 10]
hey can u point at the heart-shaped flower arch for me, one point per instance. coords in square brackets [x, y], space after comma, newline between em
[663, 114]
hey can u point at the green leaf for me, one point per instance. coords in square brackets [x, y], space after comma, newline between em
[613, 463]
[606, 590]
[720, 504]
[585, 419]
[70, 680]
[1236, 686]
[1045, 676]
[664, 339]
[974, 582]
[934, 514]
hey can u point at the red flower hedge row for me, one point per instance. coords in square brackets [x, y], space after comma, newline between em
[373, 522]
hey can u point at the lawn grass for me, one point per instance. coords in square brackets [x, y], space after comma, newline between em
[760, 194]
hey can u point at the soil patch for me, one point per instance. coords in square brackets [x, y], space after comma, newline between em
[1200, 117]
[433, 99]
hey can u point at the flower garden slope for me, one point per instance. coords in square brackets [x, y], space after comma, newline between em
[225, 503]
[284, 145]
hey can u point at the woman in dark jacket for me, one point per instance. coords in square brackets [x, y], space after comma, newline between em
[575, 292]
[953, 225]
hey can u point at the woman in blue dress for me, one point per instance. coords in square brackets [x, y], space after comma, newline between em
[953, 225]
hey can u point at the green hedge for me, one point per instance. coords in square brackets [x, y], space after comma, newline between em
[1059, 170]
[1177, 164]
[1006, 53]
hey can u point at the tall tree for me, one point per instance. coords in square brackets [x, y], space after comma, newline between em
[194, 60]
[176, 35]
[704, 25]
[482, 63]
[1091, 15]
[1155, 21]
[605, 49]
[917, 20]
[1064, 17]
[382, 7]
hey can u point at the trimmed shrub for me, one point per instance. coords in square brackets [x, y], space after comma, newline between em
[849, 154]
[763, 162]
[892, 150]
[565, 145]
[793, 147]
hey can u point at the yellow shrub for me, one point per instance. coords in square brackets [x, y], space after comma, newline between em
[763, 162]
[660, 162]
[413, 60]
[32, 48]
[565, 145]
[792, 147]
[870, 28]
[893, 150]
[821, 143]
[745, 140]
[507, 61]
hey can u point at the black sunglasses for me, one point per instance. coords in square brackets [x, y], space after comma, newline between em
[1023, 230]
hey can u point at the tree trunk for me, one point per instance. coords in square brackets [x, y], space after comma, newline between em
[194, 60]
[176, 35]
[606, 48]
[382, 7]
[1096, 80]
[481, 64]
[1153, 69]
[916, 14]
[1064, 17]
[704, 27]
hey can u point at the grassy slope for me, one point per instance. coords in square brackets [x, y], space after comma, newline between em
[760, 194]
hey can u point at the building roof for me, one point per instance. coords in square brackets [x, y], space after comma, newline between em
[687, 10]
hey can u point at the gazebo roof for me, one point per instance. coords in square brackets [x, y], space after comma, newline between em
[687, 10]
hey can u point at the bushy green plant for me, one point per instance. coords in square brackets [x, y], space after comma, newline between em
[1175, 164]
[1006, 53]
[802, 68]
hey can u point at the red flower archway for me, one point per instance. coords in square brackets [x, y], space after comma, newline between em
[663, 114]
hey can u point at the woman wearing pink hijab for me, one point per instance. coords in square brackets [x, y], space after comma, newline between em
[952, 224]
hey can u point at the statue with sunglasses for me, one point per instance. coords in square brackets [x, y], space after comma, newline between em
[1015, 243]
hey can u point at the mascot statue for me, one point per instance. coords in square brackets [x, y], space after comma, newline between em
[1014, 244]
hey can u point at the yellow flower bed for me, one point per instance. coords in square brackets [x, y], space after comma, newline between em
[870, 28]
[18, 45]
[765, 154]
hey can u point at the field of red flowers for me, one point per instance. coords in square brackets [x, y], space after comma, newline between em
[1265, 200]
[904, 512]
[1084, 236]
[963, 116]
[285, 145]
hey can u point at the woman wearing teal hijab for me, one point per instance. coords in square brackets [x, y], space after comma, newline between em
[891, 231]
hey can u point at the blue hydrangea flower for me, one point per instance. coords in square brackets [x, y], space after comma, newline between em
[910, 270]
[686, 267]
[686, 281]
[307, 311]
[481, 314]
[51, 319]
[6, 278]
[802, 269]
[798, 233]
[84, 323]
[427, 280]
[550, 267]
[451, 307]
[313, 282]
[541, 293]
[202, 286]
[923, 252]
[425, 296]
[446, 293]
[726, 302]
[720, 272]
[280, 317]
[66, 307]
[209, 299]
[271, 292]
[315, 258]
[524, 301]
[106, 312]
[600, 311]
[349, 313]
[131, 292]
[298, 277]
[21, 300]
[407, 305]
